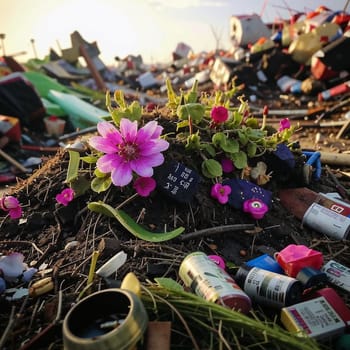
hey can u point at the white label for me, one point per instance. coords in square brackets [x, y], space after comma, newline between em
[338, 274]
[327, 221]
[267, 286]
[208, 280]
[316, 318]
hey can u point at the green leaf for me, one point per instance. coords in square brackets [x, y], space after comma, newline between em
[119, 98]
[243, 138]
[255, 134]
[168, 283]
[101, 184]
[252, 123]
[172, 98]
[73, 166]
[228, 145]
[80, 186]
[209, 149]
[194, 110]
[182, 124]
[193, 141]
[135, 111]
[251, 149]
[239, 159]
[89, 159]
[192, 96]
[99, 173]
[218, 139]
[211, 168]
[237, 118]
[129, 224]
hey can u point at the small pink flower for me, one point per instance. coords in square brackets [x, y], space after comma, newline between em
[220, 192]
[219, 114]
[65, 197]
[255, 207]
[144, 186]
[11, 205]
[227, 165]
[284, 124]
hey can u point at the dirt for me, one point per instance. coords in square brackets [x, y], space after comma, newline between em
[60, 240]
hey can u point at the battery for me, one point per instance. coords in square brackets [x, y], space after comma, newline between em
[327, 221]
[337, 274]
[205, 278]
[269, 288]
[314, 318]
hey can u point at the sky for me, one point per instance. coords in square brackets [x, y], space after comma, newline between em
[151, 28]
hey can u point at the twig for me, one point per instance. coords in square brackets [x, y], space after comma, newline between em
[215, 230]
[16, 243]
[8, 328]
[339, 187]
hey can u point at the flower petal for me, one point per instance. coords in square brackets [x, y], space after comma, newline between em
[106, 128]
[154, 146]
[128, 129]
[102, 144]
[121, 175]
[108, 162]
[150, 131]
[143, 166]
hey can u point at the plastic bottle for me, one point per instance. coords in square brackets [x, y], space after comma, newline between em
[208, 280]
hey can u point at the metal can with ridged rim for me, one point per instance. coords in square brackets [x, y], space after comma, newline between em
[206, 279]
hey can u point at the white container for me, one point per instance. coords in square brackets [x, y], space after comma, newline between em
[54, 126]
[327, 221]
[247, 29]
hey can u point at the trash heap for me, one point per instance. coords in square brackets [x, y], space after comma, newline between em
[228, 225]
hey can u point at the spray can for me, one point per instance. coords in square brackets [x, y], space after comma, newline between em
[205, 278]
[269, 288]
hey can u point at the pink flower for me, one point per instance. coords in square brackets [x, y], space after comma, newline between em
[284, 124]
[227, 165]
[65, 197]
[255, 207]
[144, 186]
[220, 192]
[129, 150]
[11, 205]
[219, 114]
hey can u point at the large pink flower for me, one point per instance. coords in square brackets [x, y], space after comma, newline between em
[11, 205]
[129, 150]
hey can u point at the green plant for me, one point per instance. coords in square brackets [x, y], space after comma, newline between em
[240, 137]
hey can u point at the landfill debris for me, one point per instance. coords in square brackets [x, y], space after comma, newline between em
[280, 246]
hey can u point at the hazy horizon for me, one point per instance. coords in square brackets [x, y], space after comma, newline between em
[151, 28]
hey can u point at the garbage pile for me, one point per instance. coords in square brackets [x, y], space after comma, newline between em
[240, 236]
